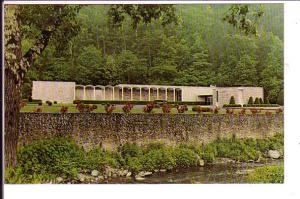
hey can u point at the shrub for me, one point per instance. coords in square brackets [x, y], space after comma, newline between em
[229, 111]
[64, 109]
[131, 150]
[256, 101]
[231, 105]
[49, 103]
[158, 159]
[268, 113]
[185, 157]
[109, 108]
[38, 110]
[280, 98]
[253, 111]
[210, 153]
[148, 108]
[40, 103]
[261, 105]
[23, 103]
[261, 101]
[55, 102]
[60, 156]
[166, 108]
[242, 112]
[77, 102]
[127, 108]
[181, 108]
[215, 110]
[250, 101]
[232, 100]
[94, 107]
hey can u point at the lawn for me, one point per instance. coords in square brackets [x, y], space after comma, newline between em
[55, 108]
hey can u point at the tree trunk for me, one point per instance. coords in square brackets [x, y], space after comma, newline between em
[12, 109]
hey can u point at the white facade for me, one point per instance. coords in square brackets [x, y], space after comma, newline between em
[66, 92]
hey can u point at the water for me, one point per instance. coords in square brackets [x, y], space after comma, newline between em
[210, 174]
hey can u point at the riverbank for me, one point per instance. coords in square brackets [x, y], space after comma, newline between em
[61, 160]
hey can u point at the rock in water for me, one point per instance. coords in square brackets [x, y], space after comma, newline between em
[95, 173]
[273, 154]
[81, 177]
[59, 179]
[201, 163]
[128, 174]
[139, 178]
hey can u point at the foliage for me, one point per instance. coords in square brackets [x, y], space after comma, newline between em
[250, 101]
[47, 159]
[109, 108]
[58, 156]
[232, 100]
[103, 53]
[181, 108]
[267, 174]
[256, 101]
[127, 107]
[64, 109]
[148, 108]
[166, 108]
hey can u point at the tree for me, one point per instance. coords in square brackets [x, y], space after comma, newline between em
[256, 101]
[45, 24]
[250, 101]
[232, 100]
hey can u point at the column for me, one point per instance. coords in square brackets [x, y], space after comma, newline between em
[214, 96]
[84, 93]
[157, 93]
[166, 92]
[174, 93]
[131, 94]
[94, 93]
[140, 94]
[122, 93]
[149, 95]
[104, 94]
[74, 93]
[113, 93]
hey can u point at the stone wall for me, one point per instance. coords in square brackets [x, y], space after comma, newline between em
[110, 130]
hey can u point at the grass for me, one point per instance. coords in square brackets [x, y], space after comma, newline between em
[55, 108]
[267, 174]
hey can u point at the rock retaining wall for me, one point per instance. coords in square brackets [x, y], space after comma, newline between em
[111, 130]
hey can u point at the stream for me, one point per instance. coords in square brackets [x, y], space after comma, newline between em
[209, 174]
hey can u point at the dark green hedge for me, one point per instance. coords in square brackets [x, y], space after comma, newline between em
[135, 102]
[261, 105]
[231, 105]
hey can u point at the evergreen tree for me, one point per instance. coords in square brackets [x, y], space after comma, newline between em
[232, 100]
[256, 101]
[250, 101]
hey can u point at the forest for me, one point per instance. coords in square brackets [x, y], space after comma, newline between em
[200, 50]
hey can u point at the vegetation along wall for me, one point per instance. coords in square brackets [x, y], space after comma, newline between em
[111, 130]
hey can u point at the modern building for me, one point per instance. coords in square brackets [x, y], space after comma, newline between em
[66, 92]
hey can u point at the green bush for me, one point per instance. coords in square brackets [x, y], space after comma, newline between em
[131, 150]
[210, 152]
[280, 98]
[261, 101]
[256, 101]
[250, 101]
[267, 174]
[266, 101]
[60, 156]
[232, 105]
[158, 159]
[232, 100]
[185, 157]
[261, 105]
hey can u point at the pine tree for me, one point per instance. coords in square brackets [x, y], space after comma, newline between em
[261, 101]
[256, 101]
[232, 101]
[250, 101]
